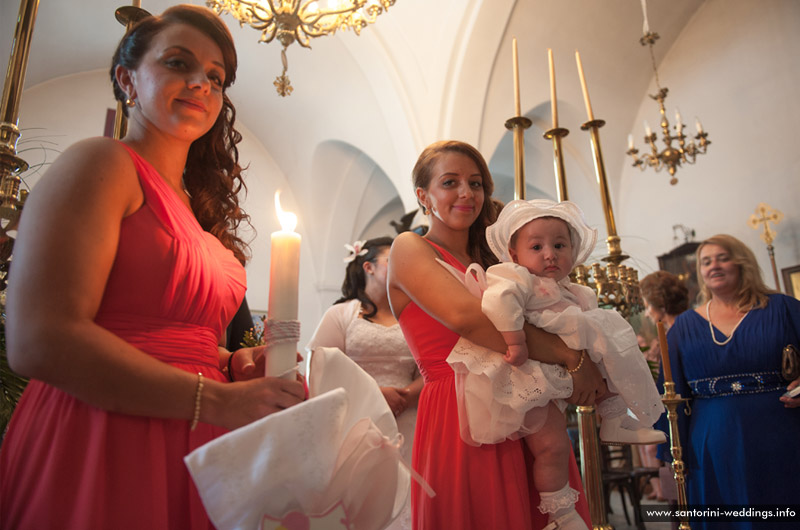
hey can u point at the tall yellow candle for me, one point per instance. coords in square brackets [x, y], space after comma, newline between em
[284, 273]
[515, 58]
[553, 101]
[662, 341]
[583, 87]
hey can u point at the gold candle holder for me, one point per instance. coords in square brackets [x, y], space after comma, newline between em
[671, 401]
[591, 471]
[11, 165]
[518, 124]
[612, 242]
[556, 134]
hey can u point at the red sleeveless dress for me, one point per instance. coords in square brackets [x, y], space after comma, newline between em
[477, 488]
[67, 465]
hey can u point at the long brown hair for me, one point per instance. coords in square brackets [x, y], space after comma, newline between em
[477, 247]
[752, 292]
[212, 176]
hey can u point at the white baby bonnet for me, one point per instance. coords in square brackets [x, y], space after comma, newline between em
[518, 213]
[332, 461]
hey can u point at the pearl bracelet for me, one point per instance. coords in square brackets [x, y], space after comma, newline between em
[580, 363]
[198, 394]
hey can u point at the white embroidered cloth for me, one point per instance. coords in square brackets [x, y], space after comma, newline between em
[336, 453]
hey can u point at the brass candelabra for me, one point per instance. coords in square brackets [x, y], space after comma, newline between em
[518, 124]
[616, 285]
[300, 21]
[671, 401]
[11, 165]
[671, 157]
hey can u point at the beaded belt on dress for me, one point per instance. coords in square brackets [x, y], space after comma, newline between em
[733, 385]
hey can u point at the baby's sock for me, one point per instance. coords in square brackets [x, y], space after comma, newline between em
[615, 406]
[611, 407]
[560, 505]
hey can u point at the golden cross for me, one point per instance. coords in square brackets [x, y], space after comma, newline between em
[766, 214]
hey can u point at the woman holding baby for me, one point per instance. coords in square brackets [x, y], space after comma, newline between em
[477, 487]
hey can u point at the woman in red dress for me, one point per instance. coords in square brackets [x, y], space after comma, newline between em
[127, 270]
[486, 487]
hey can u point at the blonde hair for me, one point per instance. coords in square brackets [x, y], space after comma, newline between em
[752, 292]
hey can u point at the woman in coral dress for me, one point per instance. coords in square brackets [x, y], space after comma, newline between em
[127, 269]
[486, 487]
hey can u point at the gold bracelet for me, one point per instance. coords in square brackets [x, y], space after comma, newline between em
[580, 363]
[198, 394]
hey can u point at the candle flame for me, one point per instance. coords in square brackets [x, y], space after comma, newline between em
[288, 220]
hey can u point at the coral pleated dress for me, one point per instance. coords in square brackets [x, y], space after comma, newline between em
[477, 488]
[68, 465]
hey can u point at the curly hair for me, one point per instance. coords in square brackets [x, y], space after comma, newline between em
[212, 176]
[752, 292]
[422, 174]
[355, 281]
[665, 291]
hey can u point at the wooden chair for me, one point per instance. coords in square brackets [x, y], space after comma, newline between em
[619, 473]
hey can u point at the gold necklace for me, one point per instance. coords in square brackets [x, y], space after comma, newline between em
[711, 326]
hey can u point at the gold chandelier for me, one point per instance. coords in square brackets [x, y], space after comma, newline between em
[300, 21]
[685, 152]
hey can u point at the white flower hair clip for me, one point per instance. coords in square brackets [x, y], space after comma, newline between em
[356, 249]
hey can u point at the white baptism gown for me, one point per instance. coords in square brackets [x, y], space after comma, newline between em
[499, 401]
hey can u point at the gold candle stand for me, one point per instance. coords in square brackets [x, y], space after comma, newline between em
[518, 124]
[671, 401]
[556, 135]
[11, 165]
[591, 470]
[615, 254]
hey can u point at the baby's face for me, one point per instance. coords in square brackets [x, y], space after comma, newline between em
[543, 246]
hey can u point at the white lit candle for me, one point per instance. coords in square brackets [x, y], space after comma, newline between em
[515, 58]
[647, 130]
[284, 272]
[553, 103]
[583, 87]
[630, 141]
[699, 126]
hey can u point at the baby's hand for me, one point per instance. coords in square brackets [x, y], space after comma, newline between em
[516, 354]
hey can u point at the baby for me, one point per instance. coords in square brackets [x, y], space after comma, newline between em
[539, 242]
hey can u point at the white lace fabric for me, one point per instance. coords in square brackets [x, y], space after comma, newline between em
[498, 401]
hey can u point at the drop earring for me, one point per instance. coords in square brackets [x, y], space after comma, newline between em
[130, 102]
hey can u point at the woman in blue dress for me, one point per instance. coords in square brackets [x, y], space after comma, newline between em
[742, 440]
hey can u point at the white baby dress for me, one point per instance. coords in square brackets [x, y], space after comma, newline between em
[498, 401]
